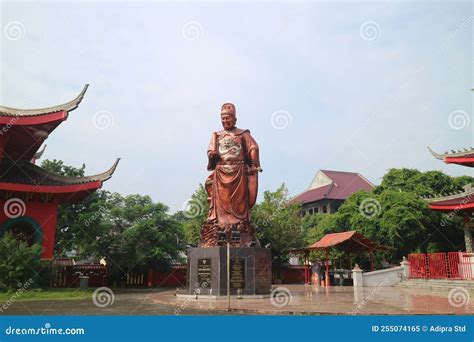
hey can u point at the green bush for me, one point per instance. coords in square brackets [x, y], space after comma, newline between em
[18, 262]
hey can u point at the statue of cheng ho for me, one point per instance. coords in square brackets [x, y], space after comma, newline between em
[232, 186]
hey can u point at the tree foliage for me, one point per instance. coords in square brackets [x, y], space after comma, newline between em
[278, 223]
[195, 215]
[394, 215]
[19, 262]
[131, 232]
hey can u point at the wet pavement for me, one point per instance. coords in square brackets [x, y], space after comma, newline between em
[301, 299]
[293, 299]
[123, 304]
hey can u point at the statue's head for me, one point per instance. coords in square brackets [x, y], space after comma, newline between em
[228, 117]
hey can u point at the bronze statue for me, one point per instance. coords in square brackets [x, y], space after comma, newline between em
[232, 186]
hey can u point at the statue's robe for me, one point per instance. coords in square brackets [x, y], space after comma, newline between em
[232, 191]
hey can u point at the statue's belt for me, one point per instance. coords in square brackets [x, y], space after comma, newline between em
[231, 162]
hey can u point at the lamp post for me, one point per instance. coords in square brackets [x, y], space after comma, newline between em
[228, 276]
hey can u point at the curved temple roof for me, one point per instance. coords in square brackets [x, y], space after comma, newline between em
[25, 173]
[456, 201]
[27, 129]
[68, 106]
[465, 157]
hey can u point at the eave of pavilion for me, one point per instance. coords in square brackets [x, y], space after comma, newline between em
[457, 202]
[66, 189]
[41, 115]
[465, 157]
[24, 130]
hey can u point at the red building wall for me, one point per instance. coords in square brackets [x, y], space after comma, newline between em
[43, 213]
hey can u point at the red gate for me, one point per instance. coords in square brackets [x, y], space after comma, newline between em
[418, 267]
[452, 265]
[437, 266]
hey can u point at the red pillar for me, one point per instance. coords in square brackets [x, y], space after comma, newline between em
[372, 263]
[307, 277]
[327, 268]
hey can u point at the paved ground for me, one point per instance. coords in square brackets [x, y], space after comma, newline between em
[137, 303]
[301, 300]
[339, 301]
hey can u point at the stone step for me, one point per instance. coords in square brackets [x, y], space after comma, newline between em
[436, 284]
[470, 288]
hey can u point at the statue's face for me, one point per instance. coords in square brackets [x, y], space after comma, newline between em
[228, 121]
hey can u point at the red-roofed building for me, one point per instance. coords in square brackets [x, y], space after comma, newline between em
[329, 189]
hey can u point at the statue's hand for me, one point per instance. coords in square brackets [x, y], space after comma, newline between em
[253, 170]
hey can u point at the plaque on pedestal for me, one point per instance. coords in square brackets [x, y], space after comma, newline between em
[237, 273]
[250, 271]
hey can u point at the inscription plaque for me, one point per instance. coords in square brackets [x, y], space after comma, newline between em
[237, 273]
[263, 275]
[204, 272]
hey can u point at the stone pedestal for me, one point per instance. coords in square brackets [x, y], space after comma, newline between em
[250, 271]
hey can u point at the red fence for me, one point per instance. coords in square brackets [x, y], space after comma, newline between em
[68, 276]
[452, 265]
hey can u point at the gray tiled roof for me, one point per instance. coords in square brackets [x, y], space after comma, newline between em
[24, 172]
[6, 111]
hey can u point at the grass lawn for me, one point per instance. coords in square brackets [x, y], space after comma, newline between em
[45, 294]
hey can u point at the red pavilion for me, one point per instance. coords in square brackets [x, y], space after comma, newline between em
[29, 194]
[460, 203]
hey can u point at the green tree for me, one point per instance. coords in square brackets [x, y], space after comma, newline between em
[278, 224]
[137, 234]
[18, 261]
[395, 215]
[78, 223]
[132, 232]
[195, 215]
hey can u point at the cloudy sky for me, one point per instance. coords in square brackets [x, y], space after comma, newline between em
[350, 86]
